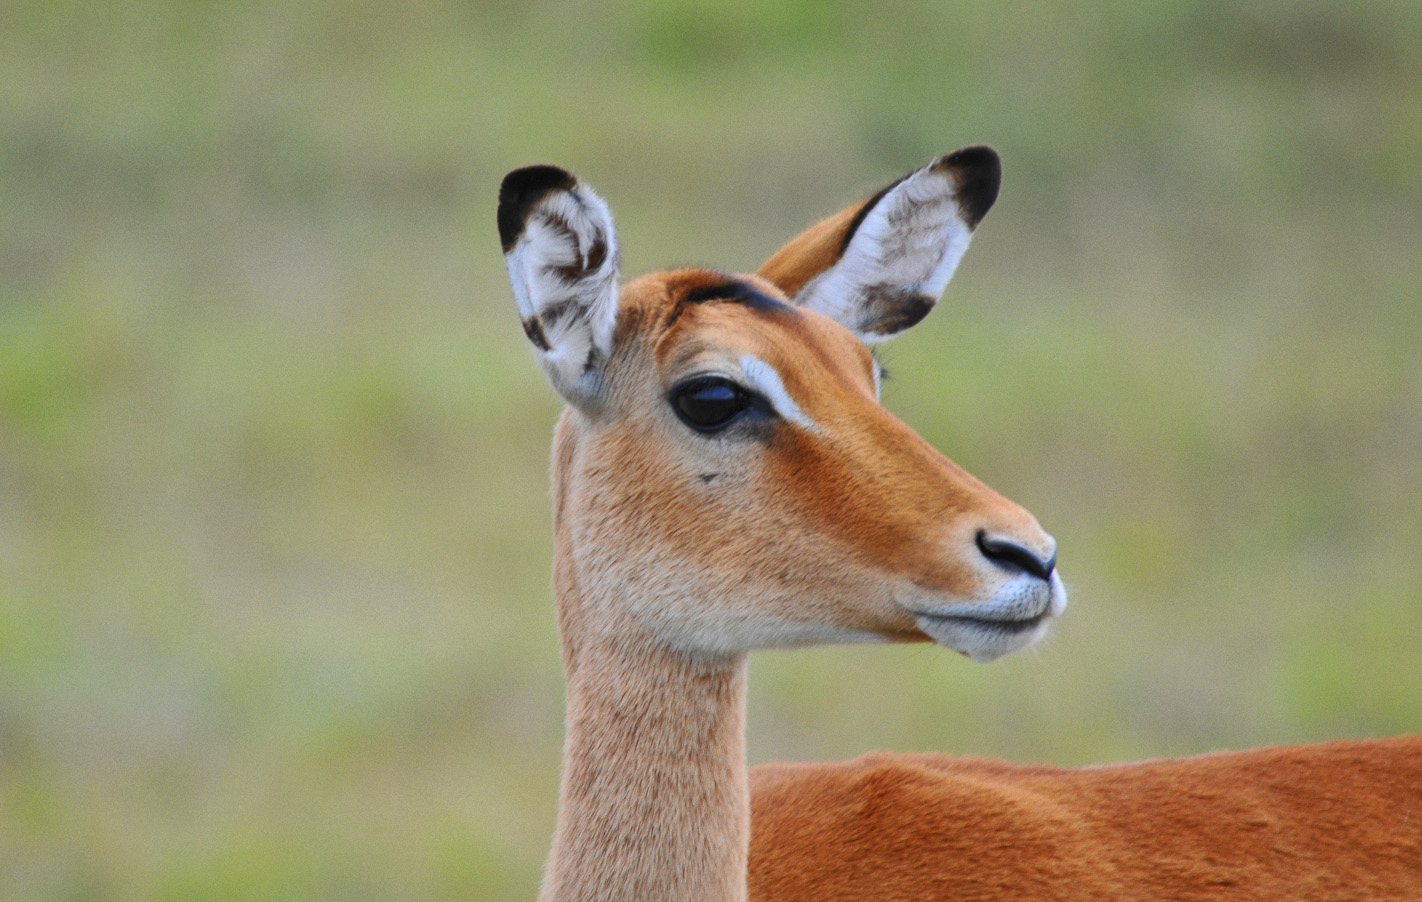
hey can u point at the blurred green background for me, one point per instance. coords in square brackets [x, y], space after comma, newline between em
[275, 618]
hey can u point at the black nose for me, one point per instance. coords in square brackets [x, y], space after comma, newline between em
[1012, 556]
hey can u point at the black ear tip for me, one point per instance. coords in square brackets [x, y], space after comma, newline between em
[977, 173]
[534, 179]
[520, 191]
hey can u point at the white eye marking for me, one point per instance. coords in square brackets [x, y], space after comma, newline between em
[762, 377]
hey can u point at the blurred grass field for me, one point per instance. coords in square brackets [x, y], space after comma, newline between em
[275, 620]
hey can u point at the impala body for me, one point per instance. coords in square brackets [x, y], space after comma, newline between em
[725, 479]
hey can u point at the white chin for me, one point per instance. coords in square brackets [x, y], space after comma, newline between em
[985, 631]
[982, 640]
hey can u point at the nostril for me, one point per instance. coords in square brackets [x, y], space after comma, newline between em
[1014, 557]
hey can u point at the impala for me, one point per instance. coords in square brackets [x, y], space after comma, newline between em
[725, 479]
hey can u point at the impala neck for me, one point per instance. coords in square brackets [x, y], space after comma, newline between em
[654, 801]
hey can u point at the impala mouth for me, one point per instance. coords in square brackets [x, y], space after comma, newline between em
[1008, 625]
[989, 630]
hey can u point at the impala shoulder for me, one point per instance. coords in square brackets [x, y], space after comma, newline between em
[894, 826]
[915, 790]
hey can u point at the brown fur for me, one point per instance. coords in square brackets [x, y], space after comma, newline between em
[676, 553]
[1335, 821]
[811, 252]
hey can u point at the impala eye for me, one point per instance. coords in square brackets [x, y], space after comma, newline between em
[709, 403]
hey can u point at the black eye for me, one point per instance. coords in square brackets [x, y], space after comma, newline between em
[709, 403]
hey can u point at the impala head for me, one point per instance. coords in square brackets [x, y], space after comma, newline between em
[725, 477]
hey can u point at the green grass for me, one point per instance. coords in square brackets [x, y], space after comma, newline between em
[274, 531]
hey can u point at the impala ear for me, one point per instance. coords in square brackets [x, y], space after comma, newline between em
[561, 254]
[879, 267]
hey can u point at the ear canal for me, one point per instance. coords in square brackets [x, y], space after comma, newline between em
[816, 249]
[560, 249]
[879, 267]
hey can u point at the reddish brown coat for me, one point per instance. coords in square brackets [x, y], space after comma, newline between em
[1341, 820]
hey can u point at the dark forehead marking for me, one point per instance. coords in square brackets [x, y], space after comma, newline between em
[737, 291]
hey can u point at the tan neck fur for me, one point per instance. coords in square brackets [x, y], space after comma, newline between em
[654, 801]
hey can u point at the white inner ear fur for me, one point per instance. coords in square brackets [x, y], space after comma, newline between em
[762, 377]
[568, 230]
[912, 239]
